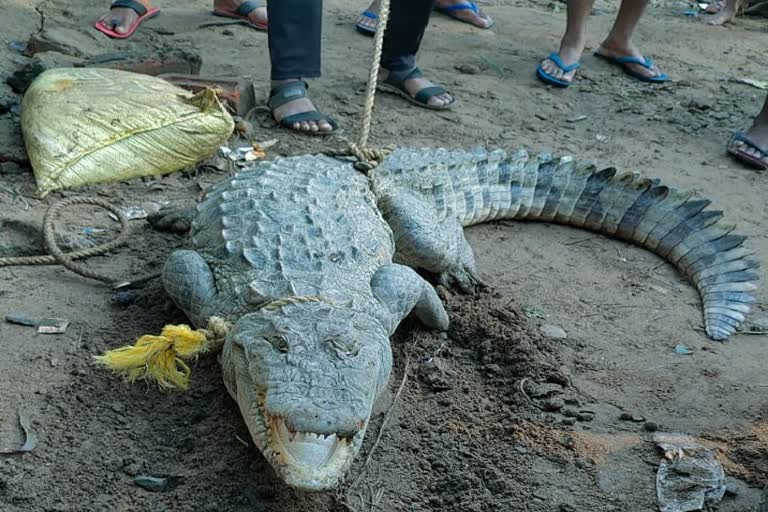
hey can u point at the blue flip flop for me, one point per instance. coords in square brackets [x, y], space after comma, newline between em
[551, 80]
[645, 62]
[451, 10]
[363, 29]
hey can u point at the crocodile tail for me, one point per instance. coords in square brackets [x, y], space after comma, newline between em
[676, 225]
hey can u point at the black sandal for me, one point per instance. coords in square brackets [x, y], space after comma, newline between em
[291, 91]
[395, 84]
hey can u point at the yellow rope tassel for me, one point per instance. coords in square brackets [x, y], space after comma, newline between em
[160, 358]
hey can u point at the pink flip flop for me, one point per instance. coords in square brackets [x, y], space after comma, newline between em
[145, 13]
[242, 12]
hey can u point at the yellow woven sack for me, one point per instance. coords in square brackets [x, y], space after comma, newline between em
[84, 125]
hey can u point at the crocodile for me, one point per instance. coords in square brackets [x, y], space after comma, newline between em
[315, 266]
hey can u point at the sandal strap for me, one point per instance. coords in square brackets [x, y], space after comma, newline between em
[247, 7]
[398, 78]
[287, 92]
[138, 7]
[741, 137]
[427, 93]
[312, 115]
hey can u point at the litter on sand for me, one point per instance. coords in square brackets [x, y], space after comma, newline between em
[30, 437]
[52, 325]
[689, 477]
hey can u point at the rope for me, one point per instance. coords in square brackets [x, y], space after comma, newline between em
[367, 158]
[56, 255]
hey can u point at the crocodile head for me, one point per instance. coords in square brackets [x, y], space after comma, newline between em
[305, 377]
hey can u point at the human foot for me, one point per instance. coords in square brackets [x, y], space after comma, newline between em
[726, 13]
[124, 17]
[464, 10]
[631, 60]
[752, 147]
[369, 19]
[412, 86]
[292, 109]
[563, 71]
[714, 7]
[254, 12]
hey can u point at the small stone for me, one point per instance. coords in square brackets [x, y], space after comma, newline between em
[637, 418]
[585, 416]
[553, 331]
[552, 404]
[521, 449]
[568, 421]
[650, 426]
[625, 416]
[468, 69]
[124, 298]
[59, 39]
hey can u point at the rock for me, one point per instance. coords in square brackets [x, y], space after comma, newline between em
[150, 62]
[468, 69]
[8, 168]
[651, 426]
[40, 63]
[521, 449]
[585, 416]
[568, 421]
[545, 390]
[62, 40]
[552, 404]
[626, 416]
[553, 331]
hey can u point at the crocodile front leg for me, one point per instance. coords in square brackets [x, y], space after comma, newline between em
[175, 220]
[188, 280]
[422, 240]
[402, 291]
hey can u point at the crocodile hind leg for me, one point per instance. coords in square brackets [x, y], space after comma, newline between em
[402, 291]
[424, 240]
[188, 280]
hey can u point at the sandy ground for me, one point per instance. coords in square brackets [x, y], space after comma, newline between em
[462, 436]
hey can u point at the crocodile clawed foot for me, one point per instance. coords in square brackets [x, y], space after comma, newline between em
[465, 281]
[174, 220]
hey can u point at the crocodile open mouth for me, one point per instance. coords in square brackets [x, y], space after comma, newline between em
[310, 461]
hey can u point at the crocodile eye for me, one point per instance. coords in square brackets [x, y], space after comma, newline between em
[279, 342]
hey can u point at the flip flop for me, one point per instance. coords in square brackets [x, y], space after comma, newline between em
[290, 91]
[758, 163]
[395, 84]
[144, 13]
[645, 62]
[242, 12]
[451, 11]
[551, 80]
[364, 29]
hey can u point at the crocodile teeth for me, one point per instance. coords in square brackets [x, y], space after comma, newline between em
[307, 448]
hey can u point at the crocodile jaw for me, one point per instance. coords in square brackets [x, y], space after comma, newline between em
[303, 460]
